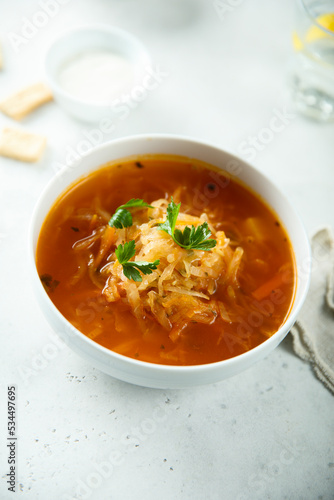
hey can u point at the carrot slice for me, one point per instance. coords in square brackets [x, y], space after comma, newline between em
[267, 287]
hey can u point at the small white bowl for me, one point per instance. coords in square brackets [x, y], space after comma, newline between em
[156, 375]
[78, 42]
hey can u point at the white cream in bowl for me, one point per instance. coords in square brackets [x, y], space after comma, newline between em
[89, 69]
[97, 76]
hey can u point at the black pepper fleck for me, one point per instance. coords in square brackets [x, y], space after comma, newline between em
[49, 283]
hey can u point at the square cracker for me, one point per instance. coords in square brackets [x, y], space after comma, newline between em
[26, 100]
[21, 145]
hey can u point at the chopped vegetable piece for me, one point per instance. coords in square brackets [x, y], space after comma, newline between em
[48, 282]
[264, 290]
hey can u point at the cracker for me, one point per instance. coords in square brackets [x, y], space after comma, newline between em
[21, 145]
[26, 100]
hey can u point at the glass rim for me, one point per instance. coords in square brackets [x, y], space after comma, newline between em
[313, 19]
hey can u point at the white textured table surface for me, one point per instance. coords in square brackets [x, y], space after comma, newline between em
[265, 434]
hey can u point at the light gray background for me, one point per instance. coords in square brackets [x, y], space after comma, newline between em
[264, 434]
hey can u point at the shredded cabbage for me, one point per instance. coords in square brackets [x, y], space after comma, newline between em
[181, 290]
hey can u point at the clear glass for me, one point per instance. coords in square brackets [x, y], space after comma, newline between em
[311, 75]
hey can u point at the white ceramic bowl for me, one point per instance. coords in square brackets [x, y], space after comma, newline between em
[143, 373]
[79, 41]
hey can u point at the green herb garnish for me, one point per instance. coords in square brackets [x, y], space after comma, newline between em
[195, 238]
[131, 269]
[122, 217]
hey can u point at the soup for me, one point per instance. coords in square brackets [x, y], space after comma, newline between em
[167, 260]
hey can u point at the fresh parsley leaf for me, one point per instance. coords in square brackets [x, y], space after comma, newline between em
[122, 217]
[172, 213]
[126, 252]
[131, 269]
[196, 238]
[136, 202]
[131, 273]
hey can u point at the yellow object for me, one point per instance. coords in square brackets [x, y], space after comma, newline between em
[296, 41]
[315, 33]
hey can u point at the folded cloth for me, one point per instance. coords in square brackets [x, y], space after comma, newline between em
[313, 332]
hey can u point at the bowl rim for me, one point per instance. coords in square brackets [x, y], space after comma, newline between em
[145, 58]
[276, 338]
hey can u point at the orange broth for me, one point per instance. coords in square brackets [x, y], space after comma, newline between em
[256, 308]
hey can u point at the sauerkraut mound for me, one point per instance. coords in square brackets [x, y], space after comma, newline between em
[182, 288]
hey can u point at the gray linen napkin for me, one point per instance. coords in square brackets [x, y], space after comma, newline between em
[313, 332]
